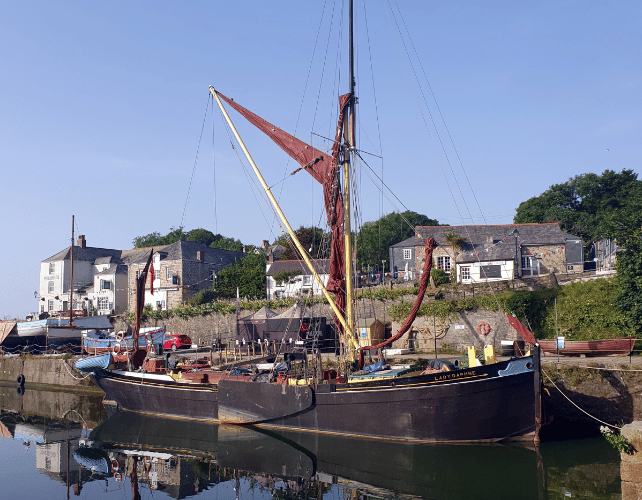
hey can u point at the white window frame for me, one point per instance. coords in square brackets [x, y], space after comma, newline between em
[169, 273]
[530, 266]
[465, 273]
[50, 305]
[102, 303]
[407, 253]
[50, 287]
[307, 280]
[444, 263]
[52, 267]
[105, 285]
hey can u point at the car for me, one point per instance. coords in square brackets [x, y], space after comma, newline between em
[174, 342]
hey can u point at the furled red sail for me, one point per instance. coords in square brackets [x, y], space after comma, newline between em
[324, 168]
[430, 245]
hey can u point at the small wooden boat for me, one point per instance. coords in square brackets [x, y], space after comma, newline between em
[608, 347]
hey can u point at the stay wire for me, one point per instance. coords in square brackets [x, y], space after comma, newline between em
[443, 120]
[198, 147]
[442, 147]
[436, 129]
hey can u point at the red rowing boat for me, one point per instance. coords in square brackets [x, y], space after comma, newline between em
[608, 347]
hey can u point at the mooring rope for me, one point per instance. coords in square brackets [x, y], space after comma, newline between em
[576, 406]
[72, 375]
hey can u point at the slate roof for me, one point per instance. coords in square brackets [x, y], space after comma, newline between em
[88, 254]
[181, 250]
[117, 269]
[506, 239]
[321, 266]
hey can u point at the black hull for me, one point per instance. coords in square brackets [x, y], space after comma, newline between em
[474, 405]
[483, 404]
[159, 397]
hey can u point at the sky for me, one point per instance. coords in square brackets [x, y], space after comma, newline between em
[466, 109]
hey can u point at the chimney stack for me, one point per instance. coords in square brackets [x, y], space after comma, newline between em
[81, 241]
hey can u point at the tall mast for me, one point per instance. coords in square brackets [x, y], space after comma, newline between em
[71, 281]
[348, 144]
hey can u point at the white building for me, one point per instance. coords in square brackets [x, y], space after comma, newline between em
[299, 282]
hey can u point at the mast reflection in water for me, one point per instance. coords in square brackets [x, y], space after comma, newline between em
[130, 455]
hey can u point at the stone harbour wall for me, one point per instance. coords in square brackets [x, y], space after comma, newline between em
[477, 328]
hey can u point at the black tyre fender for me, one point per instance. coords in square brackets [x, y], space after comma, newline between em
[21, 379]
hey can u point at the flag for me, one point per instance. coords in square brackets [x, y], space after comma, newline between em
[151, 280]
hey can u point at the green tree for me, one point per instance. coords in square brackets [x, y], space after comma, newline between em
[200, 235]
[248, 275]
[149, 240]
[313, 239]
[227, 243]
[374, 238]
[590, 206]
[629, 275]
[155, 239]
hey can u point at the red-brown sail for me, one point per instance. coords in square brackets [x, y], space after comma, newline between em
[324, 169]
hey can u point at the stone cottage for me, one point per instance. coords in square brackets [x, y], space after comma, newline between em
[491, 253]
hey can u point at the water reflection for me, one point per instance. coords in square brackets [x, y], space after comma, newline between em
[133, 454]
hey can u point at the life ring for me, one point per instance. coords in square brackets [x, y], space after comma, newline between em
[114, 465]
[118, 476]
[151, 349]
[120, 335]
[483, 328]
[117, 349]
[304, 327]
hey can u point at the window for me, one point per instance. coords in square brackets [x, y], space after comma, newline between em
[490, 272]
[168, 274]
[307, 280]
[105, 285]
[407, 253]
[530, 266]
[138, 274]
[444, 263]
[50, 305]
[52, 267]
[465, 273]
[50, 287]
[103, 304]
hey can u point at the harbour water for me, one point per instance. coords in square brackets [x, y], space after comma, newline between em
[74, 446]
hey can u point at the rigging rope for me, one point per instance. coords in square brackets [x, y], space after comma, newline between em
[198, 147]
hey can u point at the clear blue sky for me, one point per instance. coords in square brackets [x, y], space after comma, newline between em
[103, 103]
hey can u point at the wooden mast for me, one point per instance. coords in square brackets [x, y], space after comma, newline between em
[71, 281]
[348, 145]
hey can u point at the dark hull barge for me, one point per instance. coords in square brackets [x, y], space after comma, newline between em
[487, 403]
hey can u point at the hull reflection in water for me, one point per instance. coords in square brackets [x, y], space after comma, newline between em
[310, 459]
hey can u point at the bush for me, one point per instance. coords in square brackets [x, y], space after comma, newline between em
[203, 297]
[439, 276]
